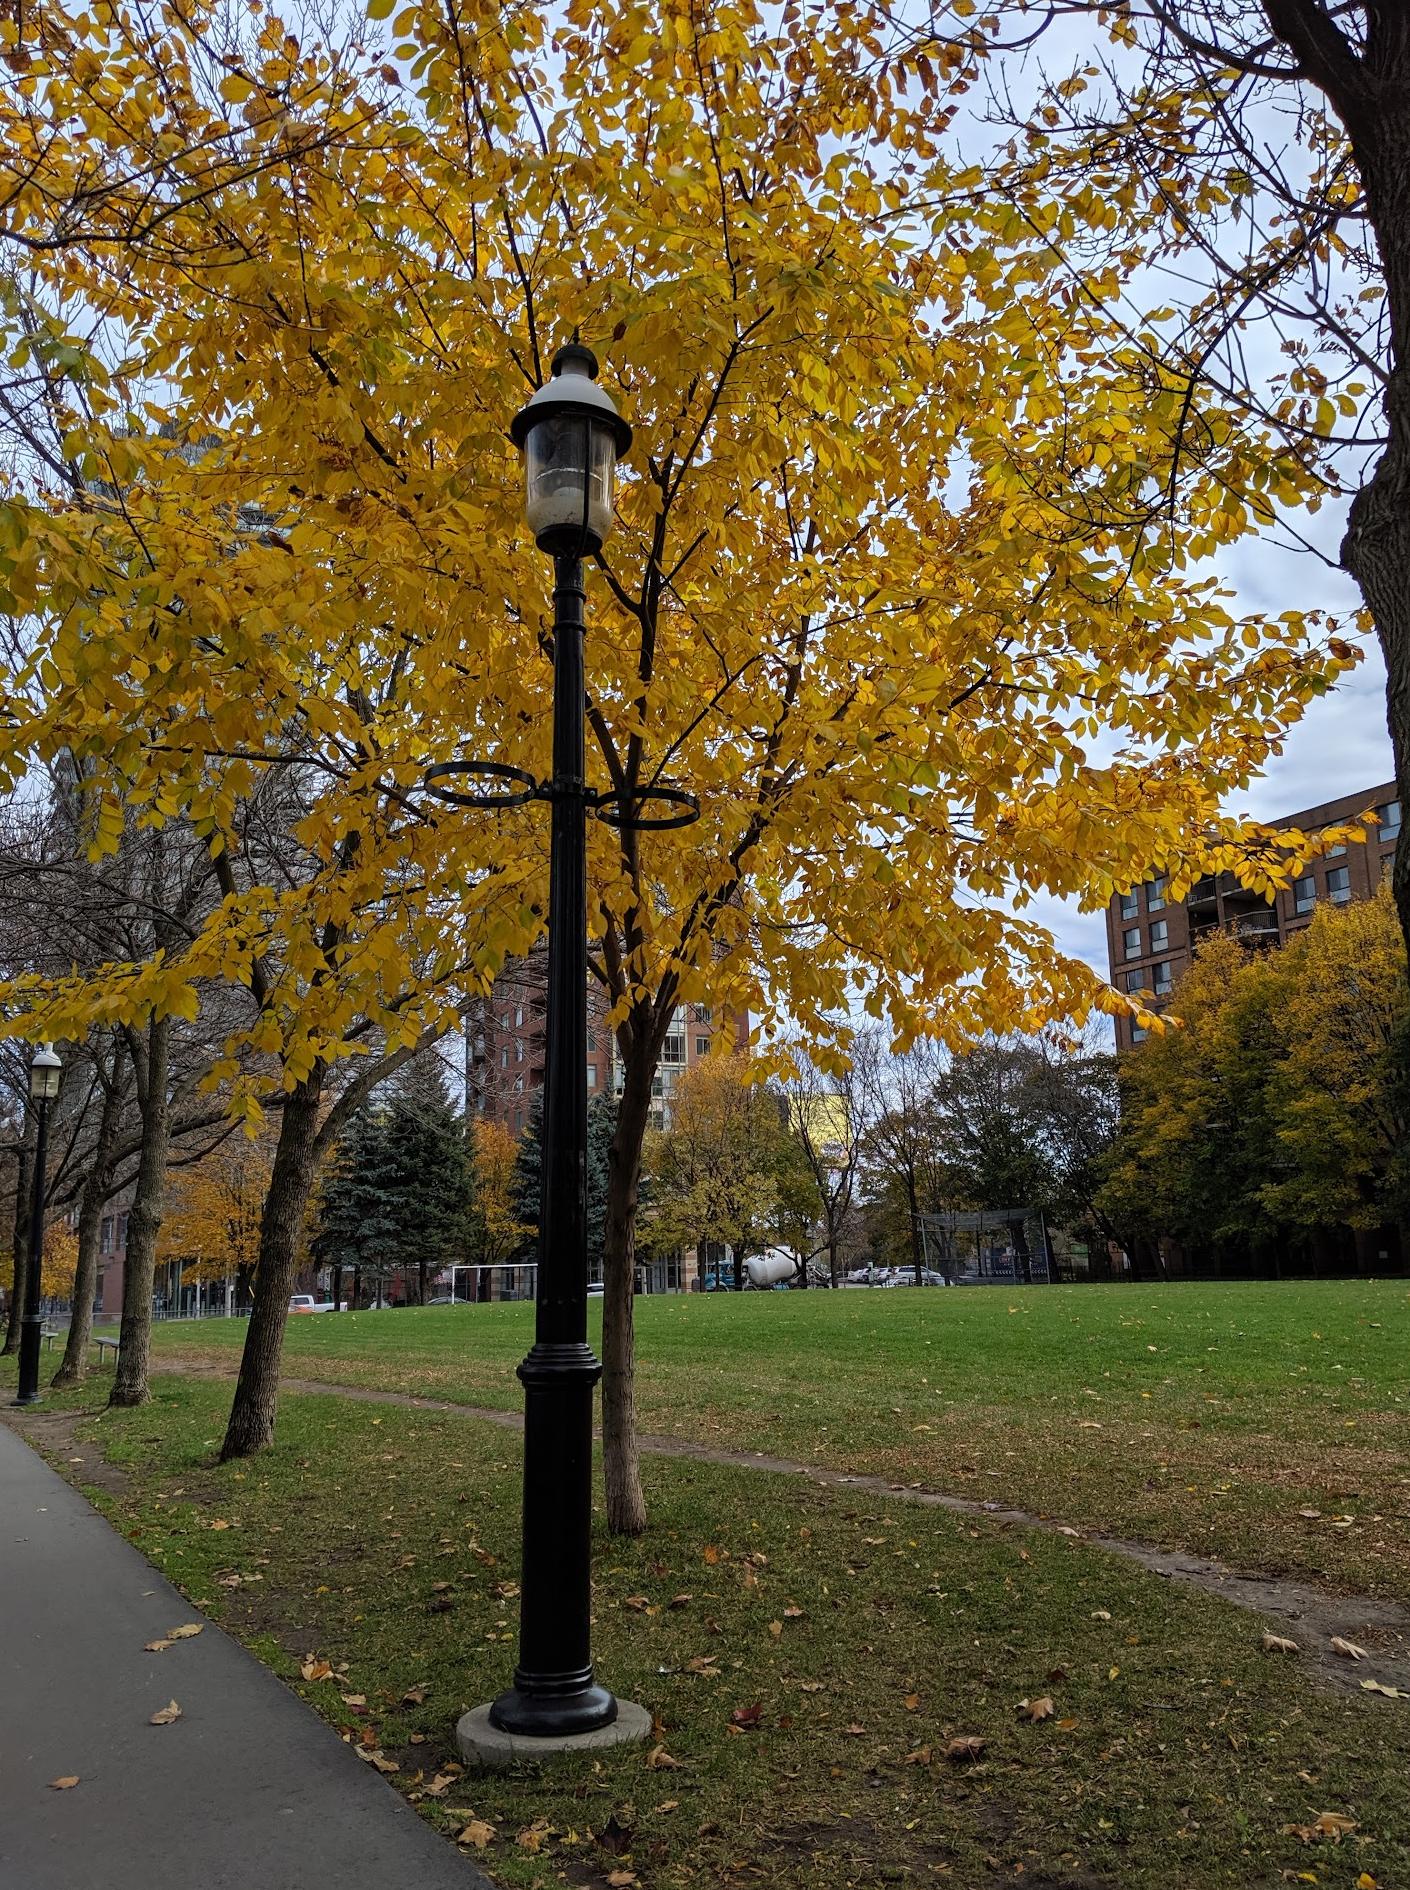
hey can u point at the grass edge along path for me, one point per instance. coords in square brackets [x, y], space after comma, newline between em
[808, 1664]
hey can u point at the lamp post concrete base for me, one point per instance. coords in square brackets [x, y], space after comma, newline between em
[483, 1745]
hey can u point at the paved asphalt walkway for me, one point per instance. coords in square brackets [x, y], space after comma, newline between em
[247, 1789]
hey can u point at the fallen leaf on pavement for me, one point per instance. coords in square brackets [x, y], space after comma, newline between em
[1035, 1709]
[966, 1746]
[156, 1647]
[477, 1832]
[1278, 1644]
[166, 1715]
[1347, 1649]
[63, 1784]
[185, 1633]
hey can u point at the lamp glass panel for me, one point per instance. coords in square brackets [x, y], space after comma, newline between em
[563, 456]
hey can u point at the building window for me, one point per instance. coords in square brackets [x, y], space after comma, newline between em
[105, 1235]
[518, 1086]
[673, 1050]
[1164, 978]
[1131, 940]
[1160, 936]
[1130, 904]
[591, 1038]
[592, 1076]
[1155, 893]
[702, 1046]
[518, 1017]
[504, 1056]
[518, 1049]
[1135, 980]
[1305, 893]
[122, 1233]
[1389, 819]
[1139, 1033]
[1335, 853]
[700, 1013]
[1339, 885]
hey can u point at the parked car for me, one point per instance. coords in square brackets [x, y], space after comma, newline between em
[305, 1302]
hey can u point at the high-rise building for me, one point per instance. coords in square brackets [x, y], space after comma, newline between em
[1151, 938]
[506, 1039]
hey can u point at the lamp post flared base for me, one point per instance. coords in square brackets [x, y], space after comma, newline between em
[579, 1708]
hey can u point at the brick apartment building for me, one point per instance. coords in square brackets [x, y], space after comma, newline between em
[1151, 938]
[506, 1038]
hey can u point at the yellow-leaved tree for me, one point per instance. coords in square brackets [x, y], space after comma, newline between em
[905, 587]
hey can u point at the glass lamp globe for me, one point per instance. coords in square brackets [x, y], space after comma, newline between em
[571, 436]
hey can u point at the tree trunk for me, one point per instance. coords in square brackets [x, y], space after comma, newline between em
[832, 1261]
[251, 1425]
[357, 1288]
[337, 1293]
[96, 1189]
[917, 1244]
[20, 1243]
[144, 1220]
[421, 1282]
[738, 1268]
[626, 1506]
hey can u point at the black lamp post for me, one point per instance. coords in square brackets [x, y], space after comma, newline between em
[571, 436]
[44, 1074]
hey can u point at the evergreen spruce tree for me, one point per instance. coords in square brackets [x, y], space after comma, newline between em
[528, 1173]
[432, 1188]
[357, 1212]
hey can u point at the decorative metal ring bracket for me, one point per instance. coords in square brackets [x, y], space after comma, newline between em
[613, 809]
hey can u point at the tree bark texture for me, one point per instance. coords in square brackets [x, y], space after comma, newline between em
[19, 1243]
[251, 1425]
[144, 1221]
[74, 1367]
[621, 1469]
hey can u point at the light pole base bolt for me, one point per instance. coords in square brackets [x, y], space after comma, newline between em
[483, 1745]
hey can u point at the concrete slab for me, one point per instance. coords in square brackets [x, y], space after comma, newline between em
[484, 1745]
[248, 1787]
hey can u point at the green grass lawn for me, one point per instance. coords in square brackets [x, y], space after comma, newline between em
[807, 1656]
[1200, 1416]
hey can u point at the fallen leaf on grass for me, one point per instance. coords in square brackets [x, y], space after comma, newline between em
[967, 1746]
[912, 1702]
[619, 1879]
[166, 1715]
[746, 1716]
[1347, 1649]
[810, 1686]
[1366, 1881]
[854, 1731]
[477, 1832]
[921, 1756]
[680, 1601]
[1375, 1686]
[63, 1784]
[185, 1633]
[379, 1759]
[1035, 1709]
[703, 1663]
[415, 1696]
[1310, 1515]
[532, 1836]
[659, 1760]
[156, 1647]
[615, 1837]
[312, 1669]
[219, 1522]
[440, 1784]
[637, 1603]
[1333, 1824]
[416, 1739]
[1278, 1644]
[793, 1614]
[357, 1701]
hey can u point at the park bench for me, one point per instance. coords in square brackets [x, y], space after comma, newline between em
[106, 1345]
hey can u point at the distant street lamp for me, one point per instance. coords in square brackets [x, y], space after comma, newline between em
[45, 1073]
